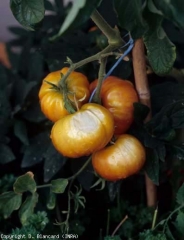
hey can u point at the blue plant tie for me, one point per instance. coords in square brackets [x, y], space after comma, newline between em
[131, 45]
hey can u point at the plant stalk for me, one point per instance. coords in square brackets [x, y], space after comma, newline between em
[141, 82]
[101, 75]
[113, 35]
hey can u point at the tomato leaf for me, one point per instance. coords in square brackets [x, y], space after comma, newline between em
[170, 117]
[9, 201]
[180, 195]
[177, 151]
[6, 154]
[172, 10]
[5, 108]
[59, 185]
[54, 161]
[152, 166]
[116, 237]
[28, 13]
[160, 50]
[179, 223]
[166, 93]
[78, 14]
[51, 203]
[130, 16]
[20, 131]
[34, 153]
[25, 183]
[27, 208]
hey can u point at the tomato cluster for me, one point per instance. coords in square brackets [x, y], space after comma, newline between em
[91, 128]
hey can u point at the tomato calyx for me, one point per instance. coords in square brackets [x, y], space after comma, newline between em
[62, 88]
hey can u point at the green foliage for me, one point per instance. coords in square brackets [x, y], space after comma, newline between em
[38, 220]
[59, 185]
[25, 183]
[138, 218]
[9, 201]
[152, 166]
[160, 50]
[112, 238]
[148, 235]
[51, 203]
[27, 231]
[180, 195]
[79, 13]
[131, 18]
[28, 13]
[6, 182]
[27, 208]
[173, 10]
[78, 199]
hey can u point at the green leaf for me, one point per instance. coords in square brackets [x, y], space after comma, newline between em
[160, 50]
[152, 166]
[4, 77]
[25, 183]
[169, 233]
[177, 151]
[51, 203]
[54, 161]
[166, 93]
[28, 13]
[170, 117]
[27, 208]
[180, 195]
[34, 153]
[78, 14]
[116, 237]
[179, 222]
[9, 201]
[59, 185]
[6, 154]
[20, 131]
[172, 10]
[130, 16]
[5, 108]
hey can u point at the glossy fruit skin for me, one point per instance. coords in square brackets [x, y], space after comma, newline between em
[51, 100]
[121, 160]
[118, 96]
[83, 132]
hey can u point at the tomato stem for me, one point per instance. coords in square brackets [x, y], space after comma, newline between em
[113, 35]
[101, 75]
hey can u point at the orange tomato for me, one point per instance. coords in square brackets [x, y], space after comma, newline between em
[83, 132]
[51, 99]
[121, 160]
[118, 96]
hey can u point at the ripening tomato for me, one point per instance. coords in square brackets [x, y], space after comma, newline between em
[51, 98]
[121, 160]
[118, 96]
[83, 132]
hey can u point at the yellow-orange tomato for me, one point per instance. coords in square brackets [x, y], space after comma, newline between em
[118, 96]
[51, 99]
[83, 132]
[121, 160]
